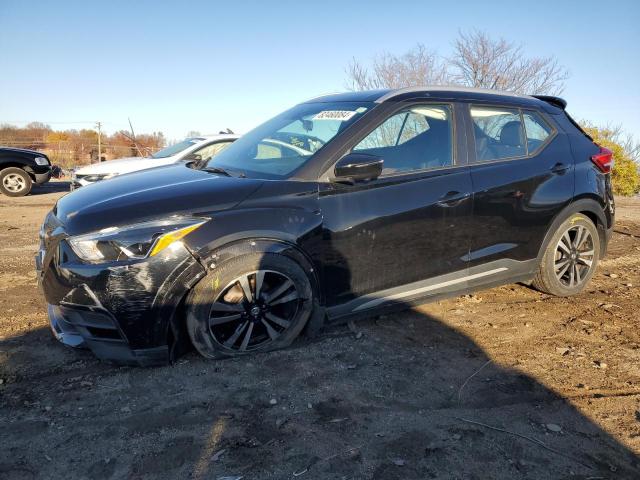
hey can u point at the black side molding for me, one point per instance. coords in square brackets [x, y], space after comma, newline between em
[556, 101]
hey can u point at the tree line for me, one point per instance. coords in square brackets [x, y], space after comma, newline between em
[77, 147]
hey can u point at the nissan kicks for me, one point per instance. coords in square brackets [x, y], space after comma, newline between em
[345, 205]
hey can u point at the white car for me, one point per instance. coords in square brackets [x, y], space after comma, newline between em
[195, 148]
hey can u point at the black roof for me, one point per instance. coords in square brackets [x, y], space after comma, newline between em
[444, 93]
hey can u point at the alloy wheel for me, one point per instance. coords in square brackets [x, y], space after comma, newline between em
[14, 183]
[574, 256]
[253, 310]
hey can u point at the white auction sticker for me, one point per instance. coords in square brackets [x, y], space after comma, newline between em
[342, 115]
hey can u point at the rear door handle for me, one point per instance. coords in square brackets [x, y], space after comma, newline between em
[559, 168]
[452, 199]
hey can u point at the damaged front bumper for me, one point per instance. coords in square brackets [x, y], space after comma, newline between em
[123, 312]
[94, 328]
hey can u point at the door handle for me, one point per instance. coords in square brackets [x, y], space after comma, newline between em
[559, 168]
[452, 199]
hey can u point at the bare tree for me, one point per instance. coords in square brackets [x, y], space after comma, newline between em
[480, 61]
[477, 61]
[418, 66]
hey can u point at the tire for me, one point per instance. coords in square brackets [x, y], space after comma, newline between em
[220, 313]
[570, 258]
[15, 182]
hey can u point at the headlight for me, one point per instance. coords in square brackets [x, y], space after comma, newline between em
[133, 241]
[41, 161]
[98, 176]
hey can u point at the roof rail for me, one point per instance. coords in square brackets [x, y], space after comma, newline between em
[320, 96]
[556, 101]
[436, 88]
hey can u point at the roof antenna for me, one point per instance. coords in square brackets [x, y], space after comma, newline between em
[226, 132]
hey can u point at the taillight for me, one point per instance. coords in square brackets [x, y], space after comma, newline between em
[603, 160]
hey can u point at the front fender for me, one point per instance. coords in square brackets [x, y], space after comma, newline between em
[286, 230]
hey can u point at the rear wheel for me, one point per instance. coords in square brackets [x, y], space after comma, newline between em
[15, 182]
[254, 303]
[570, 259]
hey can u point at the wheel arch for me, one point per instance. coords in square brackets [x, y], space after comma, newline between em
[22, 166]
[12, 163]
[263, 242]
[254, 242]
[588, 206]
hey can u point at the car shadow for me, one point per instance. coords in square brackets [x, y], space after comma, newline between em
[402, 396]
[51, 187]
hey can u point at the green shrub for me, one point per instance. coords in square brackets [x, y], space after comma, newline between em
[625, 175]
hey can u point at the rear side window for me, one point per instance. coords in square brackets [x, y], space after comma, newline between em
[416, 138]
[499, 133]
[537, 130]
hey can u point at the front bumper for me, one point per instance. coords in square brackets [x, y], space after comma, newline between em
[39, 173]
[80, 327]
[41, 178]
[121, 312]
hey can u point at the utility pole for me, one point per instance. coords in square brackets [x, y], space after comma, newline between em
[99, 125]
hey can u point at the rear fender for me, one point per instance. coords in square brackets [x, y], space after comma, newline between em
[592, 207]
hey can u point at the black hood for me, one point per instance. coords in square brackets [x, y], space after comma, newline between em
[23, 152]
[149, 194]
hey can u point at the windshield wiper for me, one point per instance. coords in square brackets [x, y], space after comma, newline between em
[222, 171]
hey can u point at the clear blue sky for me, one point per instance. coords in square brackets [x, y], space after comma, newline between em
[179, 66]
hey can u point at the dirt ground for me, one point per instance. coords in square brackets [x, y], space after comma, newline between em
[507, 383]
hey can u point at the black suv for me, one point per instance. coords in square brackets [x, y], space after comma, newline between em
[344, 205]
[20, 169]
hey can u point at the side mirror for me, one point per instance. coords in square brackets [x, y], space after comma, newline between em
[194, 157]
[355, 167]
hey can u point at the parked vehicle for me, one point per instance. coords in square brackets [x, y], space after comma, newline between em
[189, 149]
[20, 169]
[345, 205]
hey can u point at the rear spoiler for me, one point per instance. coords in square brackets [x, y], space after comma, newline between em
[555, 101]
[562, 103]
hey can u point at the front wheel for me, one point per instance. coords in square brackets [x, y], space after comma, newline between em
[15, 182]
[570, 259]
[254, 303]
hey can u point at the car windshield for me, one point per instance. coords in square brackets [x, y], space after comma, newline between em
[176, 148]
[286, 142]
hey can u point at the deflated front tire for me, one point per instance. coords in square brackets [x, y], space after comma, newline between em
[254, 303]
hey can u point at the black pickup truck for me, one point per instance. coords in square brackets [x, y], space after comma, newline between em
[20, 169]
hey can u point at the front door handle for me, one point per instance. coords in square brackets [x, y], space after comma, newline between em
[452, 199]
[559, 168]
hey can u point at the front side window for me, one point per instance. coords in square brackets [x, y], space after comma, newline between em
[286, 142]
[415, 138]
[498, 133]
[537, 130]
